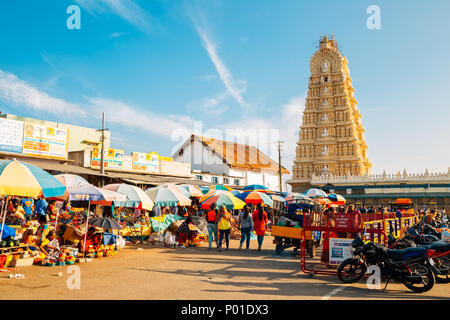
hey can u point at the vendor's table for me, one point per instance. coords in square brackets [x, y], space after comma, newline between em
[145, 230]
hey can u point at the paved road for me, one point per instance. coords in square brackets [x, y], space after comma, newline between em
[195, 273]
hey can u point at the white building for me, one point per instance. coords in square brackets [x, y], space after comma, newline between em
[230, 163]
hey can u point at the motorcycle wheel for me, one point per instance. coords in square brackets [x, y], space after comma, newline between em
[351, 271]
[445, 265]
[427, 278]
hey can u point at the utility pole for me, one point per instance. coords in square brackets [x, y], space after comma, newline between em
[280, 175]
[102, 155]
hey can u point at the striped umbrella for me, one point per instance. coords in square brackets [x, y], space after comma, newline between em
[255, 197]
[22, 179]
[275, 197]
[204, 189]
[212, 193]
[225, 199]
[316, 193]
[72, 182]
[220, 187]
[193, 191]
[235, 192]
[255, 187]
[336, 199]
[323, 201]
[162, 196]
[136, 197]
[298, 197]
[95, 194]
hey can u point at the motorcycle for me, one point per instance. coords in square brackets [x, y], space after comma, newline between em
[439, 251]
[413, 267]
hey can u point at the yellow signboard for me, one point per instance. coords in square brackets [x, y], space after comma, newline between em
[45, 141]
[112, 158]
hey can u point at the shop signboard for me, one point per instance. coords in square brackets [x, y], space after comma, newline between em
[43, 141]
[145, 162]
[339, 250]
[11, 135]
[112, 158]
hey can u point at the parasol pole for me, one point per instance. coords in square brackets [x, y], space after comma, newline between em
[85, 234]
[3, 215]
[56, 220]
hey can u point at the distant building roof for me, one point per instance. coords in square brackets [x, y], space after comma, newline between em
[241, 156]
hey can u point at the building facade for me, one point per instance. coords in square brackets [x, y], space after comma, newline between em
[431, 190]
[239, 163]
[331, 138]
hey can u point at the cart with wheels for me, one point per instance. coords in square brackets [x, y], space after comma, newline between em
[287, 237]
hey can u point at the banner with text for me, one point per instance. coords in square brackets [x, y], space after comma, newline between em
[112, 158]
[146, 162]
[45, 141]
[11, 135]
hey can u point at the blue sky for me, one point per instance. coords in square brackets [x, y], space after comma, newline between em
[157, 67]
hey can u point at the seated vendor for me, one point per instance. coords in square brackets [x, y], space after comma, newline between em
[184, 234]
[143, 218]
[92, 239]
[50, 246]
[43, 229]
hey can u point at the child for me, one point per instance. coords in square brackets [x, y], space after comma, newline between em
[50, 246]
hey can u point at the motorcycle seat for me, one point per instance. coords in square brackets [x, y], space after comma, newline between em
[408, 253]
[439, 246]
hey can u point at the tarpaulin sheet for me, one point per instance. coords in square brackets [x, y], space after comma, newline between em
[7, 232]
[162, 223]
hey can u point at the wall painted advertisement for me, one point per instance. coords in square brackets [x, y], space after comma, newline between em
[146, 162]
[45, 141]
[11, 135]
[112, 158]
[339, 250]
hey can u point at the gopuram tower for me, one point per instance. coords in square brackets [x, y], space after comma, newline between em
[331, 138]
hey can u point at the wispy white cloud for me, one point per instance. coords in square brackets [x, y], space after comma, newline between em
[286, 124]
[235, 88]
[121, 113]
[126, 9]
[19, 93]
[117, 34]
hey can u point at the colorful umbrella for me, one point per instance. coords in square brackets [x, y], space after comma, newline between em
[193, 191]
[275, 197]
[298, 197]
[336, 198]
[212, 193]
[255, 197]
[162, 196]
[225, 199]
[71, 181]
[255, 187]
[93, 193]
[136, 197]
[220, 187]
[235, 192]
[204, 189]
[316, 193]
[22, 179]
[323, 201]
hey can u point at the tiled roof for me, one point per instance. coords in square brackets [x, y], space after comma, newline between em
[242, 156]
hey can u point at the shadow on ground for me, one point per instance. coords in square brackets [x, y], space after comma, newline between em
[279, 276]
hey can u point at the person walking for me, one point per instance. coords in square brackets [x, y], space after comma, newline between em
[224, 226]
[260, 224]
[211, 217]
[245, 224]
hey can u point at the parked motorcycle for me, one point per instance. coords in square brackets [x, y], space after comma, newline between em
[439, 250]
[412, 266]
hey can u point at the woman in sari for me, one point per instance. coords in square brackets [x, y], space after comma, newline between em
[328, 221]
